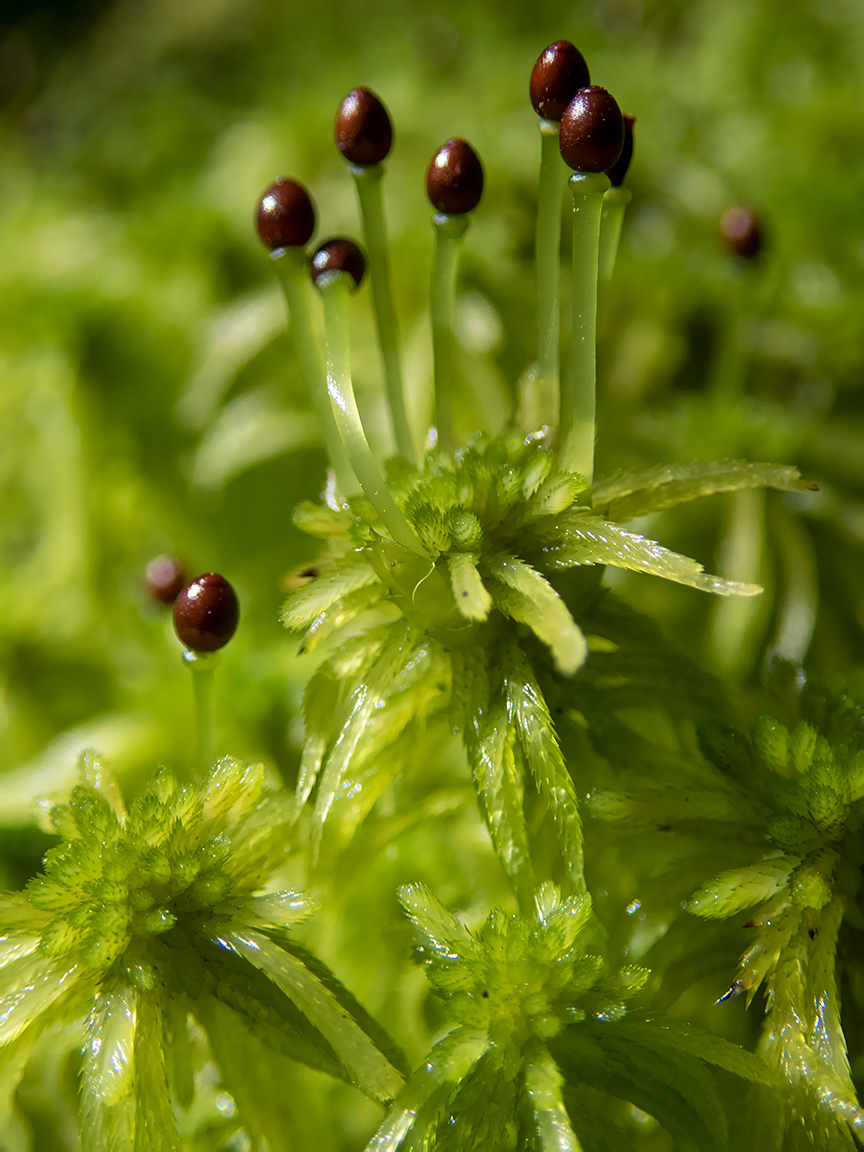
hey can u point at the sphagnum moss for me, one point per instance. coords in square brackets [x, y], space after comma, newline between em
[459, 590]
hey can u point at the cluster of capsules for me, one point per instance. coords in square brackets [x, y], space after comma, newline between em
[580, 120]
[594, 137]
[595, 140]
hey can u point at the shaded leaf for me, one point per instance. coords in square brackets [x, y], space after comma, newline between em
[626, 495]
[365, 1064]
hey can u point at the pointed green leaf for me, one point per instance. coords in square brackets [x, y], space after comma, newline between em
[528, 712]
[367, 1066]
[677, 1091]
[306, 605]
[266, 1087]
[319, 520]
[367, 696]
[556, 494]
[522, 593]
[741, 888]
[472, 599]
[489, 745]
[589, 540]
[543, 1089]
[627, 495]
[155, 1127]
[660, 1032]
[416, 1109]
[445, 932]
[29, 986]
[319, 706]
[108, 1077]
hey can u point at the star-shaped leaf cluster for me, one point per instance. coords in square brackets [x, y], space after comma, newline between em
[143, 917]
[535, 1013]
[515, 549]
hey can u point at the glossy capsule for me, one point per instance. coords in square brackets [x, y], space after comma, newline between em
[741, 229]
[206, 613]
[285, 216]
[164, 578]
[558, 74]
[454, 179]
[592, 131]
[363, 132]
[338, 255]
[619, 169]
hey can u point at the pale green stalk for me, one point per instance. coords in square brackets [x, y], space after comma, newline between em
[548, 260]
[738, 623]
[615, 201]
[449, 233]
[579, 385]
[368, 183]
[335, 289]
[201, 665]
[292, 268]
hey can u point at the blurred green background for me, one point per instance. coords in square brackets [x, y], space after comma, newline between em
[150, 399]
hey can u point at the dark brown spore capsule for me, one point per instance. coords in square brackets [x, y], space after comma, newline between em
[206, 613]
[164, 578]
[363, 132]
[285, 216]
[557, 76]
[742, 231]
[454, 179]
[592, 131]
[618, 170]
[338, 255]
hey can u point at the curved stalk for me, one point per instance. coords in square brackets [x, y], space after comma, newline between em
[615, 201]
[293, 271]
[335, 289]
[368, 184]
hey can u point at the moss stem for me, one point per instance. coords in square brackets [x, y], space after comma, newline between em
[615, 201]
[449, 234]
[336, 289]
[292, 269]
[579, 384]
[548, 259]
[201, 665]
[368, 183]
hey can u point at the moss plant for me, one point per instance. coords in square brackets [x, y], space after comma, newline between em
[532, 858]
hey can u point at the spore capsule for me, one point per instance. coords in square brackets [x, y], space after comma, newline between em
[557, 76]
[285, 215]
[206, 613]
[454, 179]
[338, 255]
[363, 132]
[592, 131]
